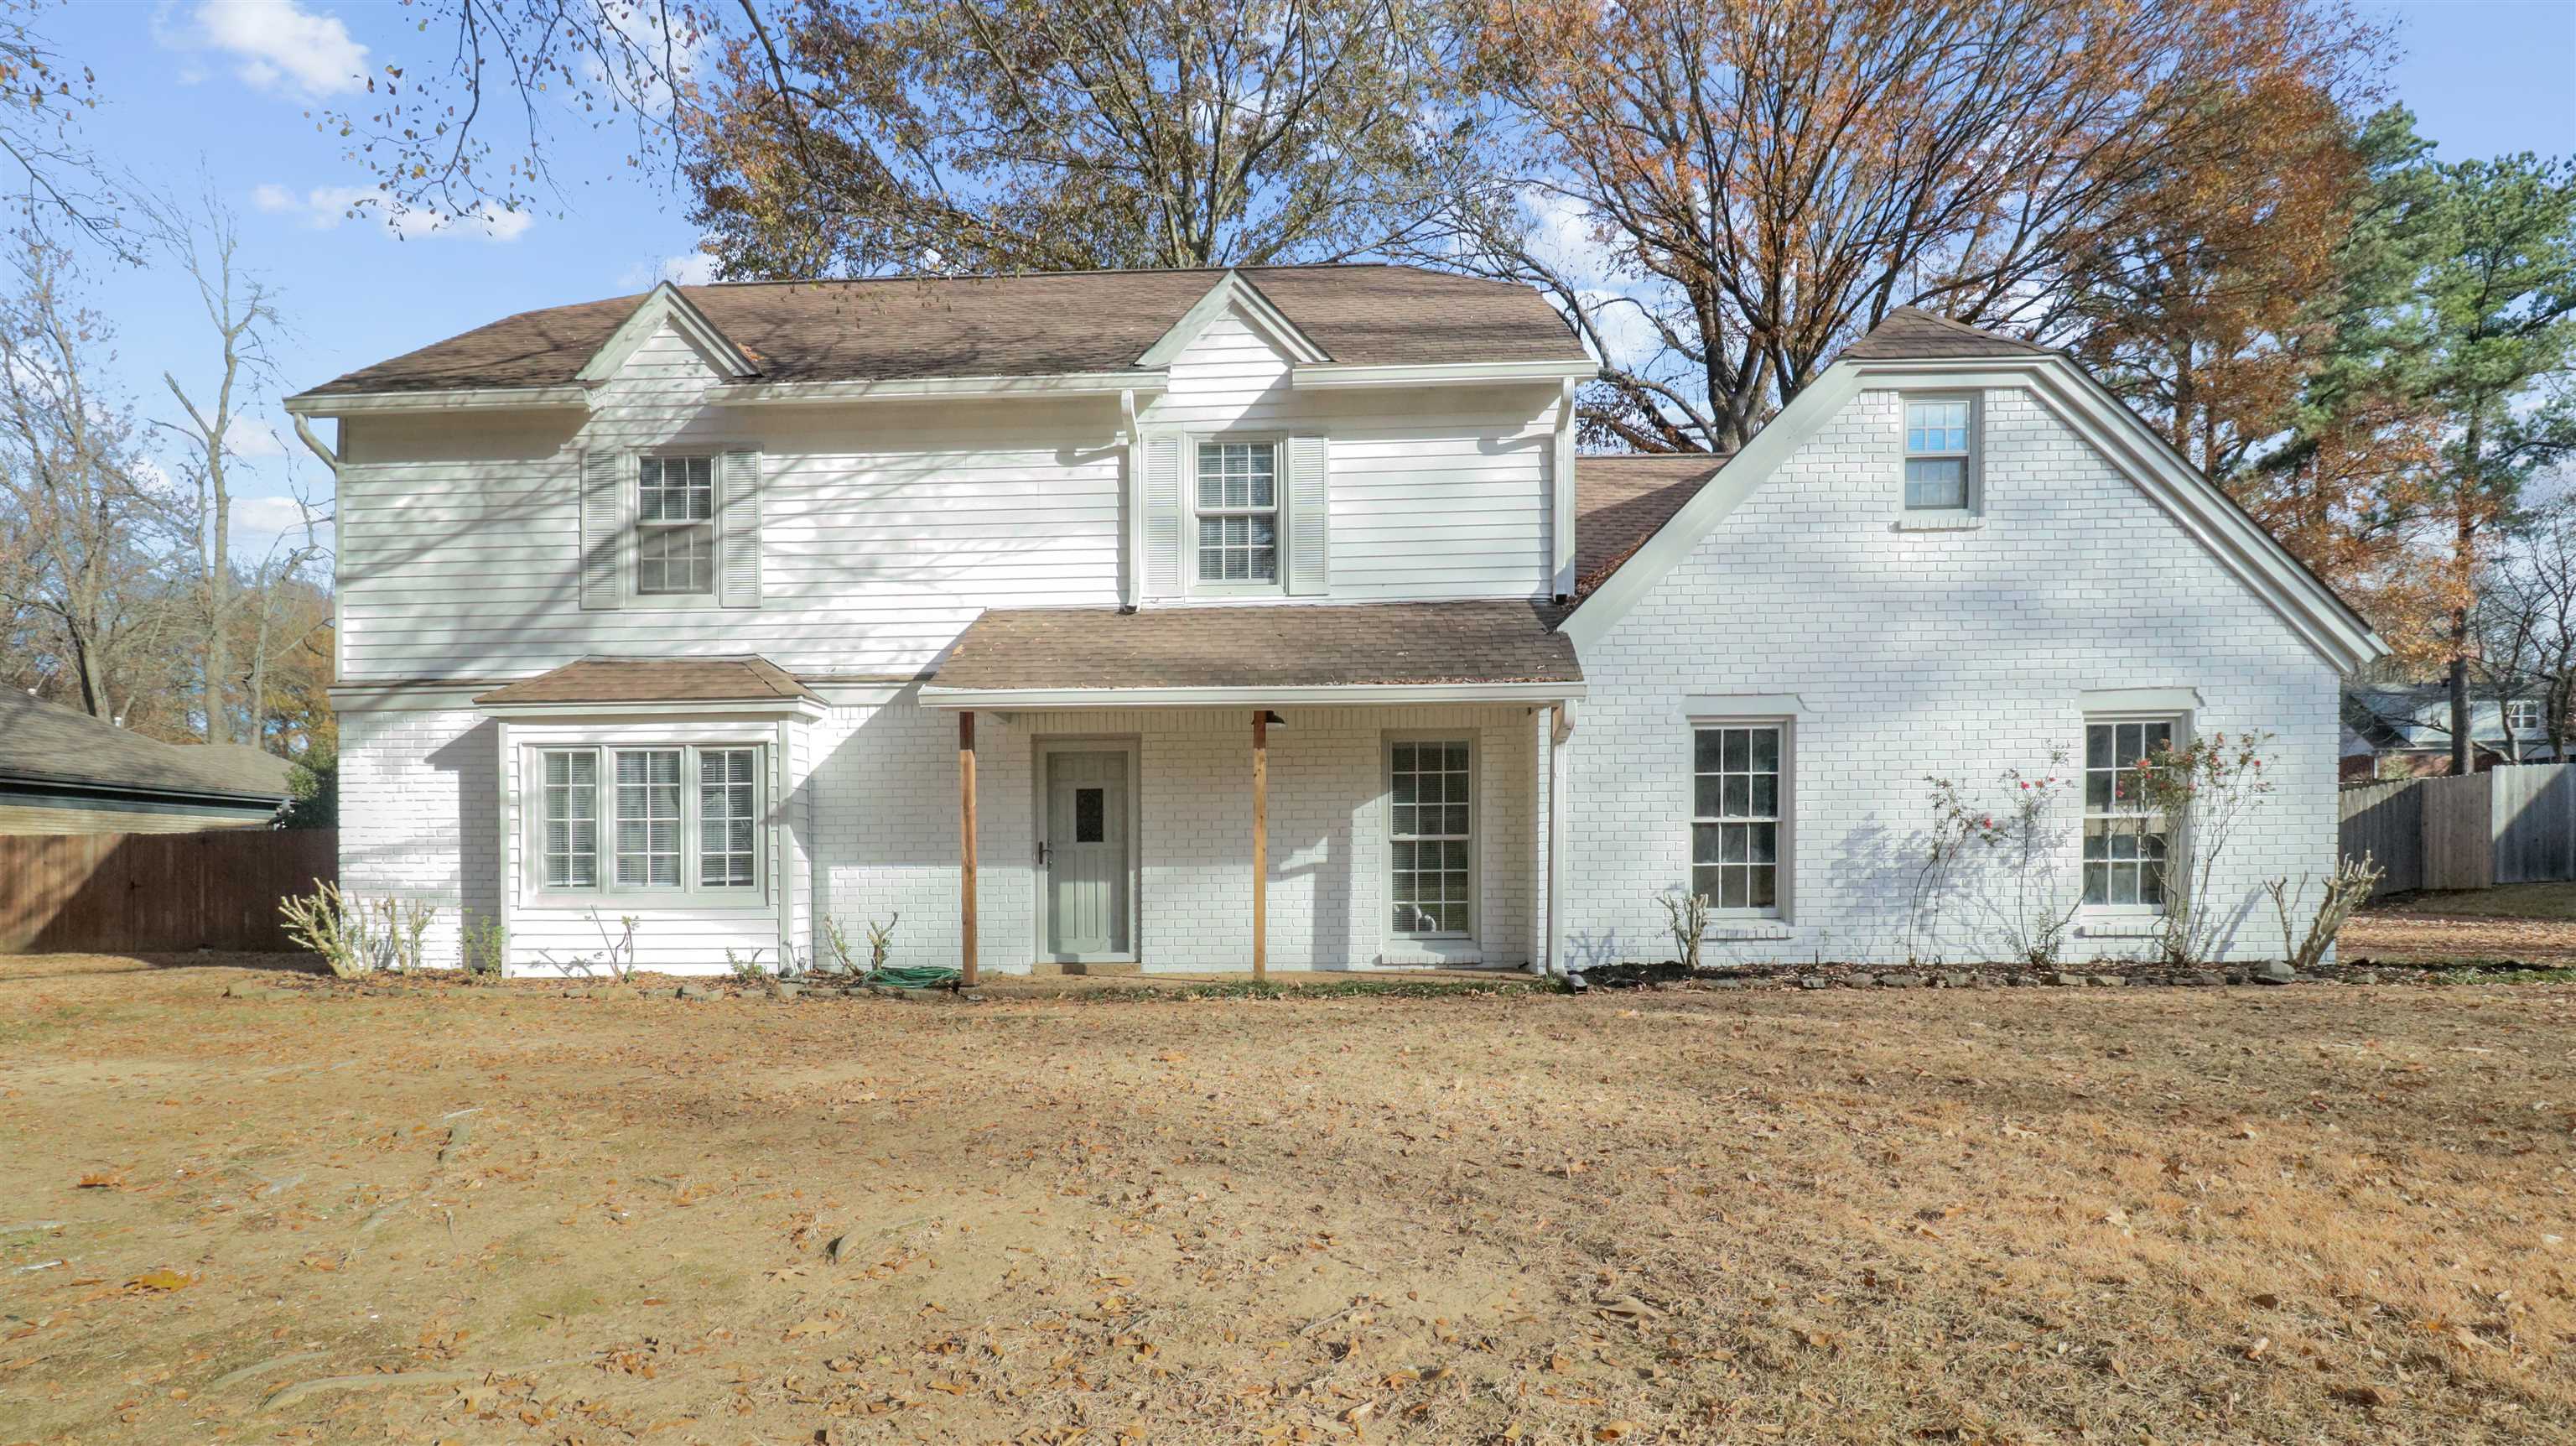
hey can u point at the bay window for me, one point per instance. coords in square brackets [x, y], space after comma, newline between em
[683, 819]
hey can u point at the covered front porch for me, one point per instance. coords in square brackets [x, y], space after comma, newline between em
[1141, 794]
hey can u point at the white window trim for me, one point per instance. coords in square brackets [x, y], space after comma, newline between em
[2174, 842]
[1397, 946]
[606, 744]
[1732, 923]
[1192, 584]
[1944, 519]
[2538, 716]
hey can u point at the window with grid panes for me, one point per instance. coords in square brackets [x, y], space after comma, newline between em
[675, 530]
[2124, 843]
[1735, 816]
[1238, 512]
[571, 819]
[648, 818]
[1431, 835]
[1937, 454]
[728, 818]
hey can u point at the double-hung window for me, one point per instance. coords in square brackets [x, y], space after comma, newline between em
[1736, 799]
[681, 819]
[2125, 842]
[675, 528]
[1431, 837]
[1238, 513]
[1939, 453]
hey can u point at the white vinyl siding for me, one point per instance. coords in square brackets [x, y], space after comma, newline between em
[2125, 844]
[885, 530]
[1736, 802]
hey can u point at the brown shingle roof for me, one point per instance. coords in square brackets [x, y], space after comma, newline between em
[1909, 333]
[655, 680]
[1035, 325]
[49, 743]
[1619, 502]
[1279, 645]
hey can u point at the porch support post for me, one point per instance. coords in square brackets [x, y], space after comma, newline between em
[1260, 843]
[966, 844]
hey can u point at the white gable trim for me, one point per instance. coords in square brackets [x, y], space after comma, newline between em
[662, 304]
[914, 389]
[1232, 291]
[2199, 505]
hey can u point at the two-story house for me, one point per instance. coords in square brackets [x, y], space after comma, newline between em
[1187, 619]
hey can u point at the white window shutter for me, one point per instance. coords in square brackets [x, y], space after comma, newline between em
[1308, 526]
[603, 513]
[1162, 491]
[741, 529]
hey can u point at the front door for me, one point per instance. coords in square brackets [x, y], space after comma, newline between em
[1086, 853]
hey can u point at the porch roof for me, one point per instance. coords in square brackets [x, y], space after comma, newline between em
[1464, 651]
[745, 679]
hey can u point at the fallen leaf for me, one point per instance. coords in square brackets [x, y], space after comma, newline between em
[163, 1280]
[1613, 1430]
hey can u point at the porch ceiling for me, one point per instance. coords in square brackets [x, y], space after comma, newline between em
[1270, 653]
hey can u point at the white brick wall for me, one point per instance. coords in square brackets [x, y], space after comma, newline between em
[1950, 653]
[420, 815]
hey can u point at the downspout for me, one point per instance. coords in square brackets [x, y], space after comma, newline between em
[1559, 795]
[1131, 581]
[339, 635]
[304, 430]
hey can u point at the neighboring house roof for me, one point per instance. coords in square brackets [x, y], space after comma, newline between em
[1619, 502]
[744, 679]
[1033, 325]
[47, 743]
[1280, 645]
[2417, 716]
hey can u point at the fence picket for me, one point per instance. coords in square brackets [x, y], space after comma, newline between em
[156, 893]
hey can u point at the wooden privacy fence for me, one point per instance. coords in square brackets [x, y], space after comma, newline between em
[156, 893]
[2508, 825]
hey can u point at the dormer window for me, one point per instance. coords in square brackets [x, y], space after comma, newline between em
[1238, 513]
[1939, 454]
[675, 528]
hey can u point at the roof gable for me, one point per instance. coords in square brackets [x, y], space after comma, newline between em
[1232, 294]
[2322, 620]
[664, 306]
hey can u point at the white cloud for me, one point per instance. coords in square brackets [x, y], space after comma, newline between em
[323, 208]
[268, 516]
[695, 268]
[279, 45]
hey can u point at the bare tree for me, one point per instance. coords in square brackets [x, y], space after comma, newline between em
[2523, 627]
[240, 308]
[84, 514]
[40, 102]
[1765, 181]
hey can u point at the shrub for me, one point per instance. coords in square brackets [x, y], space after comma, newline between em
[357, 938]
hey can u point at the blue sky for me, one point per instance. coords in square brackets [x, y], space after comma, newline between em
[226, 86]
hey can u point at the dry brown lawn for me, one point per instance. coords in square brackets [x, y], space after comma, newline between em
[2322, 1213]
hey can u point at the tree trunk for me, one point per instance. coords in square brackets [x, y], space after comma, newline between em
[2464, 558]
